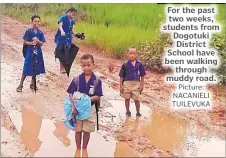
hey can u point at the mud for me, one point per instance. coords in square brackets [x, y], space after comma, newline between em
[37, 117]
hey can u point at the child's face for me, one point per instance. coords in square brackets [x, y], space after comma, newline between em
[36, 22]
[72, 15]
[132, 54]
[87, 66]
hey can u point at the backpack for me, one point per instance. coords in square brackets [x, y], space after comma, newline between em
[97, 103]
[124, 70]
[24, 49]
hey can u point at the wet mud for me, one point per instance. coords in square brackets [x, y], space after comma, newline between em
[35, 119]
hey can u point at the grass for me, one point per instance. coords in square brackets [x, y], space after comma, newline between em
[112, 27]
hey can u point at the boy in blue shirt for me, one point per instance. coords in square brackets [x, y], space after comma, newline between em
[132, 80]
[86, 83]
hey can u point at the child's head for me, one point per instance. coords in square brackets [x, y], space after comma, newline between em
[71, 13]
[132, 53]
[35, 20]
[87, 63]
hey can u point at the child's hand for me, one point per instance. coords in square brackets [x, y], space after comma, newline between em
[121, 89]
[63, 33]
[34, 43]
[35, 39]
[141, 88]
[74, 111]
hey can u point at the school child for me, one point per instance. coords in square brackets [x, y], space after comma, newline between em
[33, 41]
[132, 80]
[89, 84]
[63, 37]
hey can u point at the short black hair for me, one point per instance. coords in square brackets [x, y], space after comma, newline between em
[131, 47]
[72, 10]
[35, 16]
[87, 56]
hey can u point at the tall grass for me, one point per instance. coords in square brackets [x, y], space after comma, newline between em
[112, 27]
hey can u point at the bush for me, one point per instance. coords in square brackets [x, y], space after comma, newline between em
[218, 42]
[151, 52]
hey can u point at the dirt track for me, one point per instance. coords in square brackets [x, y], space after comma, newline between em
[47, 105]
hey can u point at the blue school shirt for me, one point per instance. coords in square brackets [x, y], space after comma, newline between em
[30, 33]
[85, 87]
[133, 73]
[67, 27]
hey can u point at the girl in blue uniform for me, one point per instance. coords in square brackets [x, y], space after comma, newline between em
[33, 39]
[63, 37]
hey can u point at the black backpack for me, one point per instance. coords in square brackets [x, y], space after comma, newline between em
[24, 50]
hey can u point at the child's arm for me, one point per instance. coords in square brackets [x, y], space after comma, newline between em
[121, 82]
[60, 25]
[121, 75]
[143, 73]
[98, 92]
[72, 102]
[141, 84]
[142, 81]
[29, 43]
[71, 89]
[42, 39]
[26, 39]
[40, 43]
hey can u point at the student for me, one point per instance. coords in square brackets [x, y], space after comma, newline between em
[87, 80]
[63, 37]
[33, 40]
[132, 80]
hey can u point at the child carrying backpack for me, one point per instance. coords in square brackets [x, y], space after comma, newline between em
[32, 52]
[132, 80]
[91, 85]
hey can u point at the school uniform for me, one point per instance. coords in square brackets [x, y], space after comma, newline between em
[132, 77]
[67, 27]
[65, 50]
[28, 62]
[87, 125]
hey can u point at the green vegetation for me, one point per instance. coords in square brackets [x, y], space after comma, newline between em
[114, 27]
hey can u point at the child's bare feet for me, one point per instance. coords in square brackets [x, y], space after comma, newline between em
[77, 153]
[84, 153]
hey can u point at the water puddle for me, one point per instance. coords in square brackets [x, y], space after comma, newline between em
[154, 134]
[163, 135]
[49, 138]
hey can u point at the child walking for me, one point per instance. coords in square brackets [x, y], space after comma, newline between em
[132, 80]
[63, 37]
[33, 41]
[86, 84]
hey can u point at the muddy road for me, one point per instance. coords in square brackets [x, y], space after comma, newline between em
[31, 123]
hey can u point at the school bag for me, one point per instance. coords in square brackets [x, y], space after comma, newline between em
[83, 105]
[24, 50]
[124, 70]
[97, 103]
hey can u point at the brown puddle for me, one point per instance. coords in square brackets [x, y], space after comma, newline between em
[49, 138]
[163, 135]
[153, 136]
[29, 133]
